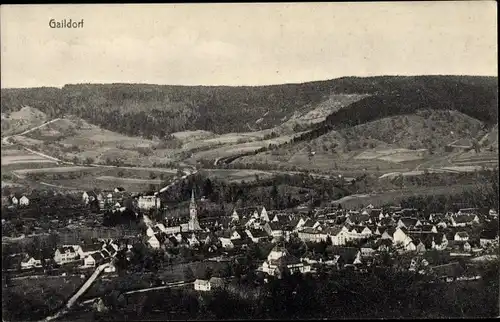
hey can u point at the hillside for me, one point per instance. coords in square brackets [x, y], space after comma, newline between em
[21, 120]
[156, 110]
[398, 142]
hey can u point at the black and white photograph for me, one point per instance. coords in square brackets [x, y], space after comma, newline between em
[249, 161]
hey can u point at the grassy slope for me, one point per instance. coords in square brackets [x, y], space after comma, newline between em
[21, 120]
[425, 129]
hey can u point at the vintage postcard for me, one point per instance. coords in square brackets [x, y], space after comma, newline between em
[249, 161]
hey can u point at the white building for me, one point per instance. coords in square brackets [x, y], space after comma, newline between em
[280, 260]
[148, 202]
[202, 285]
[24, 201]
[93, 259]
[65, 254]
[30, 262]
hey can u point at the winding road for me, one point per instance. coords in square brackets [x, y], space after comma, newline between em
[188, 172]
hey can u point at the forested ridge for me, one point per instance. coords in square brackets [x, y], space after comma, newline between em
[156, 110]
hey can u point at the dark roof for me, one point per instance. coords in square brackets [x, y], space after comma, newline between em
[409, 221]
[240, 242]
[257, 233]
[333, 230]
[309, 230]
[65, 249]
[358, 218]
[285, 260]
[425, 239]
[275, 225]
[381, 242]
[248, 211]
[425, 227]
[216, 281]
[390, 230]
[386, 221]
[309, 223]
[463, 218]
[374, 213]
[91, 247]
[489, 234]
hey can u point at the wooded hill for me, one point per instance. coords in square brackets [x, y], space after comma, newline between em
[147, 110]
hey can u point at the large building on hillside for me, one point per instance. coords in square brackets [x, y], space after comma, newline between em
[192, 225]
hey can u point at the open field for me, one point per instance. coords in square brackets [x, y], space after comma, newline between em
[236, 149]
[392, 155]
[87, 178]
[391, 197]
[12, 155]
[187, 136]
[131, 180]
[71, 137]
[23, 172]
[237, 175]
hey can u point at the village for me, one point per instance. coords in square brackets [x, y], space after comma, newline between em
[323, 238]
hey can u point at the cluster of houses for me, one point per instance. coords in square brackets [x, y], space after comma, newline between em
[355, 236]
[118, 198]
[15, 200]
[370, 228]
[88, 255]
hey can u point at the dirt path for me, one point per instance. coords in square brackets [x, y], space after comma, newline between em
[79, 293]
[6, 139]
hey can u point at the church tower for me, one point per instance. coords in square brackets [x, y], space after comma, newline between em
[193, 215]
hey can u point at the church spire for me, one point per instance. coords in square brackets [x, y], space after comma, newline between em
[193, 204]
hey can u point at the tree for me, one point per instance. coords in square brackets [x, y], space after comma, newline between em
[208, 189]
[274, 196]
[188, 273]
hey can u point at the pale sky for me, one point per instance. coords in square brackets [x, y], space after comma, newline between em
[245, 44]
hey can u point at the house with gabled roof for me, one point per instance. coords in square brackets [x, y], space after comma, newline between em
[226, 242]
[338, 235]
[464, 220]
[408, 222]
[386, 222]
[312, 235]
[29, 262]
[461, 236]
[280, 260]
[154, 242]
[346, 255]
[357, 219]
[86, 249]
[108, 250]
[65, 254]
[402, 237]
[488, 237]
[202, 285]
[257, 235]
[93, 260]
[383, 244]
[274, 229]
[387, 232]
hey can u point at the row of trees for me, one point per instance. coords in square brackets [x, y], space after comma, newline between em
[484, 194]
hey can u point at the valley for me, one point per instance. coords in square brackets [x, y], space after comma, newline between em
[307, 137]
